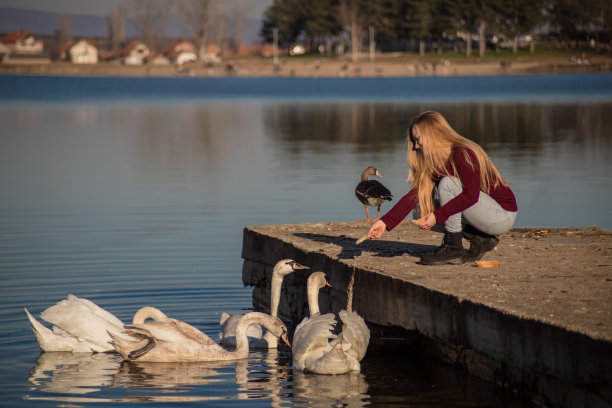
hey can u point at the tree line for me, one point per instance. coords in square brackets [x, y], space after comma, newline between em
[400, 25]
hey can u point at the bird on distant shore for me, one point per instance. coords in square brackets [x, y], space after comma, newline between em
[372, 192]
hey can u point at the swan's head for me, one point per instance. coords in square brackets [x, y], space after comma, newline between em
[278, 329]
[318, 280]
[287, 266]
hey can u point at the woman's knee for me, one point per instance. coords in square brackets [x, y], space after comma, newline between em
[449, 188]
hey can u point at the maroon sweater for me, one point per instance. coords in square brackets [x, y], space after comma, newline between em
[470, 180]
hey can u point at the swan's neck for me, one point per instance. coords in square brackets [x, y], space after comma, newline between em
[242, 341]
[148, 312]
[313, 300]
[275, 294]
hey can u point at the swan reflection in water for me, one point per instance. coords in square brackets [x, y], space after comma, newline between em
[267, 375]
[85, 377]
[318, 390]
[73, 373]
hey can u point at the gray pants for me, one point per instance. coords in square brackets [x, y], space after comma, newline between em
[486, 215]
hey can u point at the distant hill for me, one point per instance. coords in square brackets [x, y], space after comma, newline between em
[90, 26]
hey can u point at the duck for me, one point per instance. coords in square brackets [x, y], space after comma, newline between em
[316, 347]
[372, 192]
[168, 340]
[227, 336]
[79, 326]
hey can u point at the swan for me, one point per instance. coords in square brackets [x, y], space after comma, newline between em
[80, 326]
[315, 346]
[372, 192]
[227, 336]
[170, 340]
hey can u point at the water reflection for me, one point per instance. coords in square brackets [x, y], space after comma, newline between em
[136, 375]
[67, 377]
[345, 390]
[373, 126]
[73, 373]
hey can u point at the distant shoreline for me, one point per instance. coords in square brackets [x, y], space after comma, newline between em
[326, 67]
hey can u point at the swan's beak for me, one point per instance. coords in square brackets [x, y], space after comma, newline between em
[286, 339]
[297, 266]
[328, 284]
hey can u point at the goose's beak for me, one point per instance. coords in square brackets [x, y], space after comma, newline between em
[378, 174]
[286, 339]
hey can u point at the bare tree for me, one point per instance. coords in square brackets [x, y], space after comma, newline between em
[196, 18]
[350, 16]
[237, 12]
[116, 28]
[150, 19]
[64, 34]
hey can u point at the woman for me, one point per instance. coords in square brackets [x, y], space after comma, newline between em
[473, 199]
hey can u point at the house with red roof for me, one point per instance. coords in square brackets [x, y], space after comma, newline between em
[23, 42]
[79, 52]
[180, 52]
[136, 53]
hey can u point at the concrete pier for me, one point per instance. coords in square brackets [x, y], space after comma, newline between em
[541, 323]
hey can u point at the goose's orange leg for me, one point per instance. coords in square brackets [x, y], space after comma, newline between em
[367, 214]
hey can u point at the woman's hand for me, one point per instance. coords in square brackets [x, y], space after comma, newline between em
[429, 220]
[377, 229]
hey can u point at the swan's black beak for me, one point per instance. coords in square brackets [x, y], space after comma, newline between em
[286, 339]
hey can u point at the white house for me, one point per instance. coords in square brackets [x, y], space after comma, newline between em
[23, 42]
[80, 52]
[134, 54]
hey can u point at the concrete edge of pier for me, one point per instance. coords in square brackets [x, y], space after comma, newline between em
[554, 364]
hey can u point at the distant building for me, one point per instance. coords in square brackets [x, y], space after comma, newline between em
[136, 53]
[265, 50]
[22, 42]
[180, 52]
[79, 52]
[4, 51]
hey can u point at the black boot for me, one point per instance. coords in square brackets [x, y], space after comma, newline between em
[480, 243]
[450, 252]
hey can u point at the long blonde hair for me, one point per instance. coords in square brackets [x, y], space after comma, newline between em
[428, 163]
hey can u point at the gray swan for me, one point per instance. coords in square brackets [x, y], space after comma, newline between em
[171, 340]
[227, 336]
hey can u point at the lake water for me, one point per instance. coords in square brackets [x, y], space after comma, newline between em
[135, 191]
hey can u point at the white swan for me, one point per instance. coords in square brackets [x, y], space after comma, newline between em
[80, 326]
[315, 346]
[171, 340]
[227, 336]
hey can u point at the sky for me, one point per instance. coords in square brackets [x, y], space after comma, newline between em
[99, 7]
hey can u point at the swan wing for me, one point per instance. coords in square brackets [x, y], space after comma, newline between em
[311, 334]
[58, 340]
[95, 309]
[85, 320]
[168, 341]
[333, 361]
[170, 330]
[356, 332]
